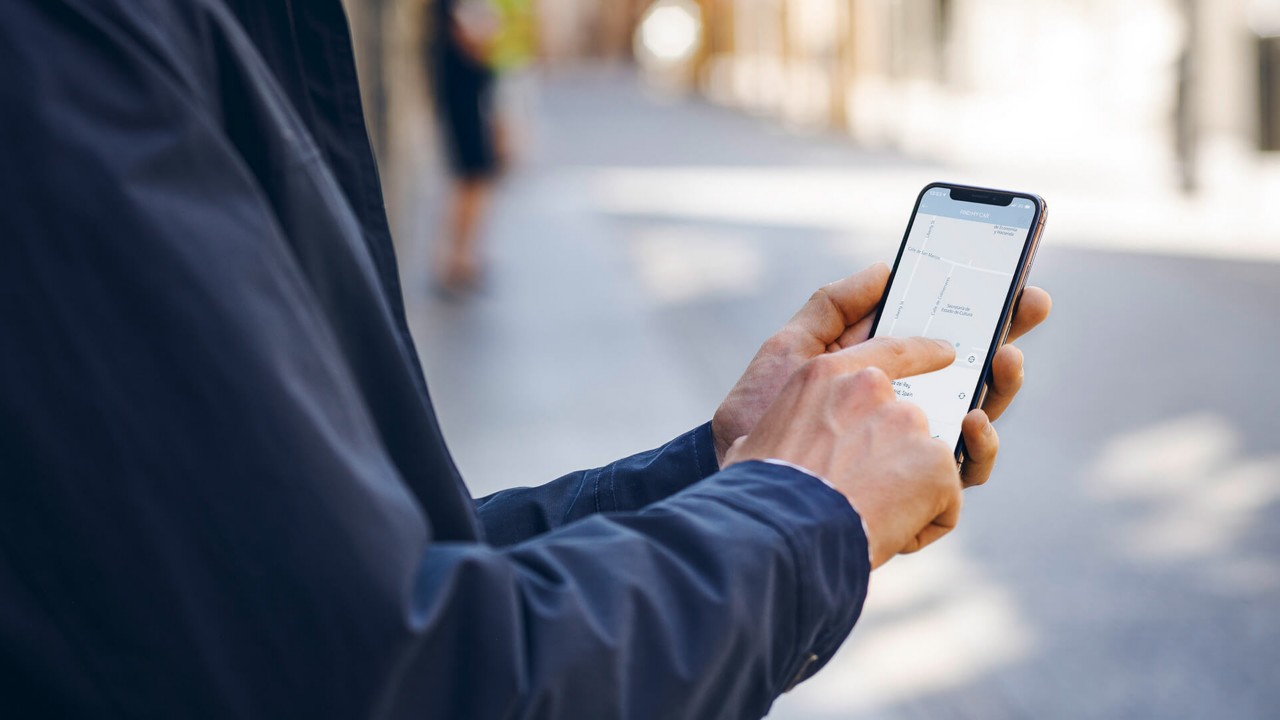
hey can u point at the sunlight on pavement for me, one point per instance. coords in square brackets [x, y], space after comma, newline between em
[932, 622]
[1196, 494]
[679, 263]
[875, 202]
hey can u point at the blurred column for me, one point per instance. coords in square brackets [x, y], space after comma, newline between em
[559, 30]
[389, 37]
[1267, 42]
[1186, 115]
[844, 65]
[366, 29]
[758, 54]
[1264, 25]
[1226, 112]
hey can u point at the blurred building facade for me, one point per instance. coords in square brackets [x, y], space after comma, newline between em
[1191, 83]
[1184, 89]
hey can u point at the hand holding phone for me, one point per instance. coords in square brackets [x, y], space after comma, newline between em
[820, 395]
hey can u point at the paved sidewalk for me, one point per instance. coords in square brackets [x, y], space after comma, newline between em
[1124, 562]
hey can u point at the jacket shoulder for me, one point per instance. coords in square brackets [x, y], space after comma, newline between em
[73, 36]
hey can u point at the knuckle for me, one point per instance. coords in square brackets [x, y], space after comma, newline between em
[909, 416]
[991, 447]
[819, 368]
[982, 445]
[780, 343]
[825, 300]
[871, 381]
[1009, 379]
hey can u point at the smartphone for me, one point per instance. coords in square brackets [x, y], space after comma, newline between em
[958, 277]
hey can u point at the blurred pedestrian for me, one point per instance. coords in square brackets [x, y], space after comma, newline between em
[462, 34]
[514, 50]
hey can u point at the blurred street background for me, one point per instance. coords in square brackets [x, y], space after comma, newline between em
[684, 174]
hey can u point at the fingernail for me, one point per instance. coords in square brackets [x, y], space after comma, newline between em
[944, 343]
[988, 429]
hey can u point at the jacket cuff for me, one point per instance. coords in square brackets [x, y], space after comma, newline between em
[640, 480]
[704, 451]
[829, 550]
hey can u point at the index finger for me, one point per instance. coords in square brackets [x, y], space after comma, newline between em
[898, 357]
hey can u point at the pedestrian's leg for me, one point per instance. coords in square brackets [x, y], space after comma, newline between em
[460, 266]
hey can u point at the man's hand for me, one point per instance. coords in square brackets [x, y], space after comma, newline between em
[839, 418]
[839, 316]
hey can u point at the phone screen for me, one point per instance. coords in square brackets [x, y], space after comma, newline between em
[952, 280]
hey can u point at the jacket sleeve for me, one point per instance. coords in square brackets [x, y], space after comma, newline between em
[632, 483]
[198, 519]
[706, 605]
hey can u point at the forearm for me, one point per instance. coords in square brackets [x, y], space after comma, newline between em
[706, 605]
[632, 483]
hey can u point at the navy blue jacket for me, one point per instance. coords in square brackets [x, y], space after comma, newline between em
[223, 490]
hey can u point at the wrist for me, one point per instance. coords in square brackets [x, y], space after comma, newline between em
[719, 442]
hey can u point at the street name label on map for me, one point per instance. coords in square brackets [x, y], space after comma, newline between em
[924, 253]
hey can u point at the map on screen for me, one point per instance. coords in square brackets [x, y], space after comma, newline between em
[951, 283]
